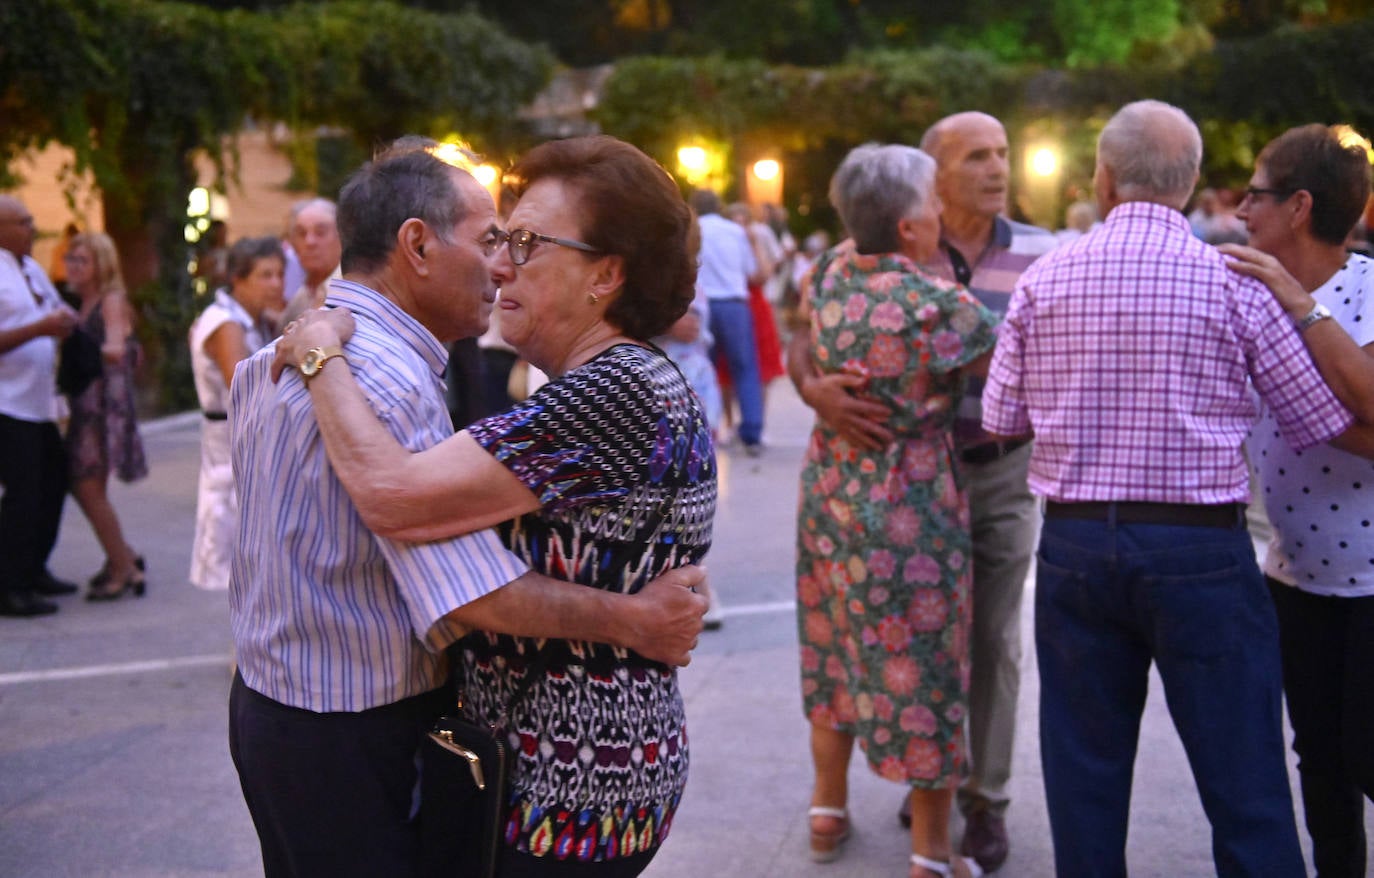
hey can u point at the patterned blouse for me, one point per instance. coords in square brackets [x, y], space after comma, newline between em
[620, 453]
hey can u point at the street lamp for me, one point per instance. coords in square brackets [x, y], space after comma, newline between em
[1044, 162]
[694, 163]
[764, 182]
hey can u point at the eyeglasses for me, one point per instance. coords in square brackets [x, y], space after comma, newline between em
[1253, 192]
[522, 241]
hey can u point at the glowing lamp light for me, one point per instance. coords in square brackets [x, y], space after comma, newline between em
[1043, 162]
[692, 159]
[198, 204]
[453, 153]
[1349, 137]
[485, 174]
[767, 169]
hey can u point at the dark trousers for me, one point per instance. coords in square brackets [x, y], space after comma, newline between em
[331, 793]
[1328, 676]
[33, 469]
[1110, 599]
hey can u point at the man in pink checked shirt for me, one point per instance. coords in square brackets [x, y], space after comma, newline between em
[1129, 354]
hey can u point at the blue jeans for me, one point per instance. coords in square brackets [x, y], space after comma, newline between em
[733, 328]
[1111, 598]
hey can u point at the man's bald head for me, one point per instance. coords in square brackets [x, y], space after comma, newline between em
[16, 227]
[971, 154]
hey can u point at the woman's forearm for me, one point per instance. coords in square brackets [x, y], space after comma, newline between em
[451, 488]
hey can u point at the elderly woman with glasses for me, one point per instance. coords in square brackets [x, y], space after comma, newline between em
[883, 566]
[605, 476]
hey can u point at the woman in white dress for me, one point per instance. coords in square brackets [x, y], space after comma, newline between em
[229, 330]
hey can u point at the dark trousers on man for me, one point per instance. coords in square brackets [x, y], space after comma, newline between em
[1112, 597]
[33, 470]
[1328, 676]
[331, 793]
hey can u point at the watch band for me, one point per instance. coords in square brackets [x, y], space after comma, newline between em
[1319, 312]
[315, 358]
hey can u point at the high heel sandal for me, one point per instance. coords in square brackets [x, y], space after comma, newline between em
[102, 575]
[827, 846]
[136, 583]
[946, 870]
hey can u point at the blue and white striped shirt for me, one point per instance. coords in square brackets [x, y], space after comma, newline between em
[326, 615]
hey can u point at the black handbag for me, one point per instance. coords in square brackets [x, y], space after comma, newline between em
[80, 363]
[465, 777]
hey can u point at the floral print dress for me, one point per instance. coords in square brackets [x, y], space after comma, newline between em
[884, 567]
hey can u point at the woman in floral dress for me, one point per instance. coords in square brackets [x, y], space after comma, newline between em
[883, 569]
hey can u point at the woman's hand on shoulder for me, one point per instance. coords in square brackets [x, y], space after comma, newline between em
[317, 328]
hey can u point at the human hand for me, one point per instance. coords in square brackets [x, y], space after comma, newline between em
[58, 323]
[1269, 271]
[667, 618]
[859, 421]
[316, 328]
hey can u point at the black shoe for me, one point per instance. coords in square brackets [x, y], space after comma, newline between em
[107, 591]
[102, 575]
[24, 604]
[50, 586]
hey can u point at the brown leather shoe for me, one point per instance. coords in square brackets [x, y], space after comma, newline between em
[985, 839]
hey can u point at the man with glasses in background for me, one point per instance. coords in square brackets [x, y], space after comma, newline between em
[33, 466]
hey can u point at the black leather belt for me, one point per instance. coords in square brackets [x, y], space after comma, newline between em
[990, 451]
[216, 416]
[1226, 515]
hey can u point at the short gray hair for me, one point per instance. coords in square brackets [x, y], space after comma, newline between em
[1153, 151]
[876, 187]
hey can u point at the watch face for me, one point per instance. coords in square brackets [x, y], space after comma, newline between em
[311, 364]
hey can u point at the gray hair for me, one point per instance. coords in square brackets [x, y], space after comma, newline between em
[300, 207]
[404, 181]
[876, 187]
[1153, 151]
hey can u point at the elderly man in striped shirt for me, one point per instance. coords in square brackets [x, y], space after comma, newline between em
[1129, 354]
[339, 634]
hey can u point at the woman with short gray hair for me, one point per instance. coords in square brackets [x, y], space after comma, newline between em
[883, 570]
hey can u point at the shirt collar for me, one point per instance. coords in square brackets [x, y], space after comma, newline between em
[1147, 211]
[365, 300]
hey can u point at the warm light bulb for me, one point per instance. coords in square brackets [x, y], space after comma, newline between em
[485, 174]
[692, 158]
[767, 169]
[1044, 162]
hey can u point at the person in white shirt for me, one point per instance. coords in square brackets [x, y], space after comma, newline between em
[33, 464]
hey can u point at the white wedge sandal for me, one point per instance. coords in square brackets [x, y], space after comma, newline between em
[826, 847]
[946, 869]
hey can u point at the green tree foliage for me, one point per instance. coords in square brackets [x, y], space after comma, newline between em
[137, 88]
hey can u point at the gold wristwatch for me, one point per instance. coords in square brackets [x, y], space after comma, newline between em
[315, 358]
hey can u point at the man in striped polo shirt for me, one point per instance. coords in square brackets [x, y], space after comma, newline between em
[986, 252]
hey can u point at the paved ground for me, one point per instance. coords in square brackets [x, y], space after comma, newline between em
[113, 759]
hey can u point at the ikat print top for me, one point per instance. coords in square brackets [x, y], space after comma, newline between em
[620, 453]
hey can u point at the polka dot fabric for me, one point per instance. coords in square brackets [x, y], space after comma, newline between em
[1321, 501]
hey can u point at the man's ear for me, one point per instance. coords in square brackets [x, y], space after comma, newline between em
[410, 244]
